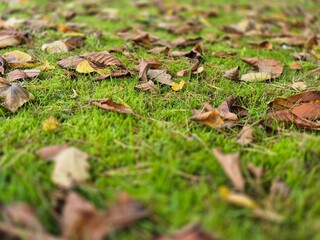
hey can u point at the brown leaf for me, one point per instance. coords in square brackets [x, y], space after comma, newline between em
[10, 41]
[143, 70]
[147, 86]
[74, 42]
[48, 152]
[262, 44]
[115, 74]
[231, 166]
[81, 220]
[211, 118]
[224, 54]
[191, 232]
[184, 42]
[22, 74]
[232, 74]
[159, 50]
[160, 75]
[193, 69]
[288, 118]
[295, 66]
[257, 171]
[139, 37]
[103, 59]
[245, 136]
[310, 110]
[2, 65]
[109, 105]
[270, 66]
[291, 101]
[14, 95]
[70, 62]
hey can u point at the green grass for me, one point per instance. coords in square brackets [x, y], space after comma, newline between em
[165, 140]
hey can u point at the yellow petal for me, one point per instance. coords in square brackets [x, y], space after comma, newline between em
[84, 67]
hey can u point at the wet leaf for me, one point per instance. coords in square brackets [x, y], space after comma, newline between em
[231, 166]
[109, 105]
[14, 95]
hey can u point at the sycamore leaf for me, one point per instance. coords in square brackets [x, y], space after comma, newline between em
[14, 95]
[85, 67]
[231, 166]
[71, 167]
[178, 86]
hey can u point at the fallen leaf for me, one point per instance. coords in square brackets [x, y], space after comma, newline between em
[10, 41]
[232, 74]
[48, 152]
[109, 105]
[14, 95]
[255, 77]
[295, 66]
[245, 137]
[115, 74]
[224, 54]
[50, 124]
[263, 44]
[84, 67]
[231, 166]
[2, 65]
[147, 86]
[299, 86]
[18, 59]
[22, 74]
[45, 66]
[160, 75]
[55, 47]
[81, 220]
[71, 167]
[211, 118]
[268, 66]
[238, 199]
[191, 232]
[178, 86]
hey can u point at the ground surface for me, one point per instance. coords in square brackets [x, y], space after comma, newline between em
[180, 177]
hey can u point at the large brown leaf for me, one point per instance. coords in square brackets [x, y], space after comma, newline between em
[14, 95]
[270, 66]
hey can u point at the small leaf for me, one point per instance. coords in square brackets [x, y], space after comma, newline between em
[110, 105]
[178, 86]
[85, 67]
[255, 77]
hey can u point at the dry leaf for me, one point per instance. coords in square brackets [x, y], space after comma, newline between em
[22, 74]
[10, 41]
[295, 66]
[191, 232]
[50, 124]
[255, 77]
[263, 44]
[231, 166]
[84, 67]
[178, 86]
[55, 47]
[115, 74]
[224, 54]
[147, 86]
[245, 136]
[71, 167]
[160, 75]
[299, 86]
[14, 95]
[45, 66]
[211, 118]
[232, 74]
[109, 105]
[18, 59]
[48, 152]
[269, 66]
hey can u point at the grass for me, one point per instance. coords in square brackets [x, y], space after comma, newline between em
[170, 145]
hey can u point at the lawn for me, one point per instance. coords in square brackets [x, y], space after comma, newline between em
[161, 157]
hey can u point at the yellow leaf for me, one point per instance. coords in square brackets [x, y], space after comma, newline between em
[239, 199]
[85, 67]
[45, 66]
[178, 86]
[103, 71]
[18, 59]
[50, 124]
